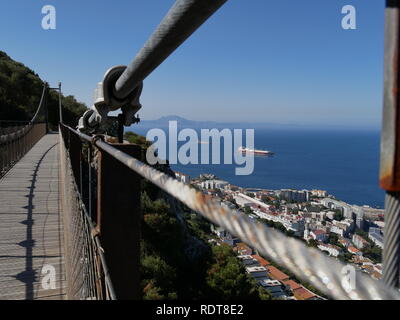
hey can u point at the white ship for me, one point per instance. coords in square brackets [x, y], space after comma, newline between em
[255, 151]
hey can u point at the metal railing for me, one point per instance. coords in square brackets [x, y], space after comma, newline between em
[86, 269]
[18, 137]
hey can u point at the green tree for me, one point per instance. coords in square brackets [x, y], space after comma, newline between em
[290, 233]
[137, 139]
[20, 93]
[266, 199]
[333, 238]
[313, 243]
[248, 210]
[227, 279]
[374, 253]
[338, 215]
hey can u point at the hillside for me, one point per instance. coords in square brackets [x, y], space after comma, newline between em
[20, 92]
[177, 260]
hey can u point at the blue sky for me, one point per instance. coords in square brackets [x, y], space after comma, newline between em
[254, 60]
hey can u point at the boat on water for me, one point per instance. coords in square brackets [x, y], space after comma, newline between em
[255, 151]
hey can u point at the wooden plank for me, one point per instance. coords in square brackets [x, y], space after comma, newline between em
[31, 229]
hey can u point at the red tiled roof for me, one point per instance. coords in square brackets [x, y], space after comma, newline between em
[277, 274]
[292, 284]
[262, 261]
[242, 247]
[353, 249]
[303, 294]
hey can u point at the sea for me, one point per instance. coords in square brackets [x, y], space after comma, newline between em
[345, 163]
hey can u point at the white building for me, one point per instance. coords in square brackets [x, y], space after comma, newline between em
[247, 260]
[376, 235]
[214, 184]
[337, 230]
[359, 242]
[182, 177]
[292, 223]
[342, 228]
[224, 235]
[318, 235]
[257, 272]
[242, 199]
[273, 286]
[359, 216]
[333, 251]
[319, 193]
[294, 195]
[335, 204]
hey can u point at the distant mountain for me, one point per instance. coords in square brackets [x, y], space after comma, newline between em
[181, 121]
[186, 123]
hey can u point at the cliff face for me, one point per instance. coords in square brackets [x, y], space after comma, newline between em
[193, 247]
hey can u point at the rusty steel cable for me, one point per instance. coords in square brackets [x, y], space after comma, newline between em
[391, 252]
[309, 264]
[42, 103]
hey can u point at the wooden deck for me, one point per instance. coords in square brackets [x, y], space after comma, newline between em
[31, 230]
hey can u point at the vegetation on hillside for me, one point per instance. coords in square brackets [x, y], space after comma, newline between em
[20, 92]
[371, 251]
[177, 261]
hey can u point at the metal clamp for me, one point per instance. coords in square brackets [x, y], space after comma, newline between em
[105, 101]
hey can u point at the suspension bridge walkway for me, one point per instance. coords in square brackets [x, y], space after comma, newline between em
[70, 210]
[31, 229]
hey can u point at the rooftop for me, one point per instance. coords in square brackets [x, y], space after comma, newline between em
[262, 261]
[269, 283]
[255, 269]
[277, 274]
[318, 232]
[245, 257]
[303, 294]
[241, 247]
[292, 284]
[353, 250]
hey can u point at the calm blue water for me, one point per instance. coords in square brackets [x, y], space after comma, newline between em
[345, 163]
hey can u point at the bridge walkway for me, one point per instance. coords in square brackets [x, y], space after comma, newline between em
[31, 228]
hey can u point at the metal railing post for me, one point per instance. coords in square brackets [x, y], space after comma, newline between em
[390, 147]
[118, 220]
[59, 102]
